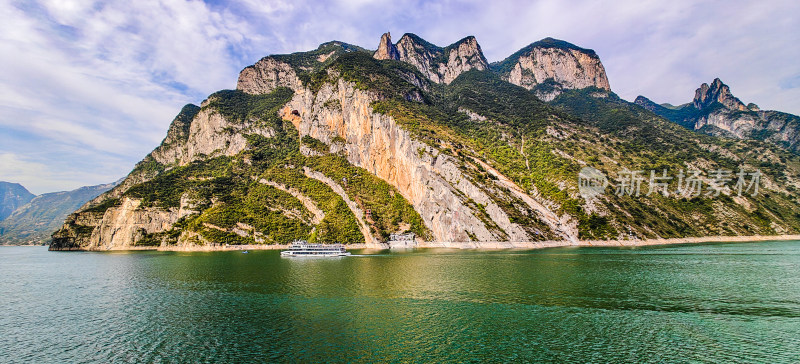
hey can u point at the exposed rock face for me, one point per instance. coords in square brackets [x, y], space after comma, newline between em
[431, 181]
[441, 65]
[739, 127]
[714, 110]
[119, 226]
[386, 50]
[716, 92]
[556, 64]
[462, 56]
[208, 134]
[266, 75]
[196, 133]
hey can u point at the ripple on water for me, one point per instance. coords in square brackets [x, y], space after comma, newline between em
[716, 303]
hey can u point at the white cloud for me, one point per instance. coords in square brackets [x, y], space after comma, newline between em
[103, 80]
[40, 178]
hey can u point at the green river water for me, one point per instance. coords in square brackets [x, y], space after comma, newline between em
[717, 303]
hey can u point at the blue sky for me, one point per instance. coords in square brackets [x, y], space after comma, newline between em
[89, 88]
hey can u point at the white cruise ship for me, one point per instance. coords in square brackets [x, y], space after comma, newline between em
[302, 248]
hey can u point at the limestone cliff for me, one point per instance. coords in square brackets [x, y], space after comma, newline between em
[386, 50]
[429, 179]
[719, 92]
[550, 65]
[441, 65]
[120, 226]
[432, 181]
[267, 74]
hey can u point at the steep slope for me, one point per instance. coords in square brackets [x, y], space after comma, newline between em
[232, 172]
[550, 66]
[636, 139]
[441, 65]
[12, 196]
[439, 187]
[351, 148]
[715, 111]
[386, 50]
[33, 222]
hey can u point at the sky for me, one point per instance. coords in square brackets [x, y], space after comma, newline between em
[88, 88]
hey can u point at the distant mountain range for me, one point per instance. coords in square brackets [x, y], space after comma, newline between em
[715, 111]
[343, 144]
[35, 220]
[12, 196]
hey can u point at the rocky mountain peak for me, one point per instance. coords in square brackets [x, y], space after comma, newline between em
[715, 111]
[551, 65]
[441, 65]
[386, 50]
[716, 92]
[643, 101]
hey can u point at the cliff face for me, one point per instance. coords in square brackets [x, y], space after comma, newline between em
[719, 92]
[386, 50]
[210, 134]
[267, 74]
[714, 110]
[117, 227]
[441, 65]
[430, 180]
[550, 66]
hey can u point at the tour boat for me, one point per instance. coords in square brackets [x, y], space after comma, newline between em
[301, 248]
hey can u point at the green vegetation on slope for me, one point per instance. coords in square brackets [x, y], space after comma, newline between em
[234, 203]
[595, 127]
[476, 119]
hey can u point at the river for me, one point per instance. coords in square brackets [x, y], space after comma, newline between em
[726, 302]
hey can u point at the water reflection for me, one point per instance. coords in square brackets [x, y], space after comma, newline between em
[719, 303]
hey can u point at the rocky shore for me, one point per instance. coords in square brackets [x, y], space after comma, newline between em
[483, 245]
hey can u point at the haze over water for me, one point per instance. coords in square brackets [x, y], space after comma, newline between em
[700, 303]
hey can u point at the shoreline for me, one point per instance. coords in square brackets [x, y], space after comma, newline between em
[484, 245]
[607, 243]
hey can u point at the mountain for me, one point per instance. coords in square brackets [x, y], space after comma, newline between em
[440, 65]
[550, 66]
[12, 196]
[33, 222]
[341, 144]
[715, 111]
[386, 50]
